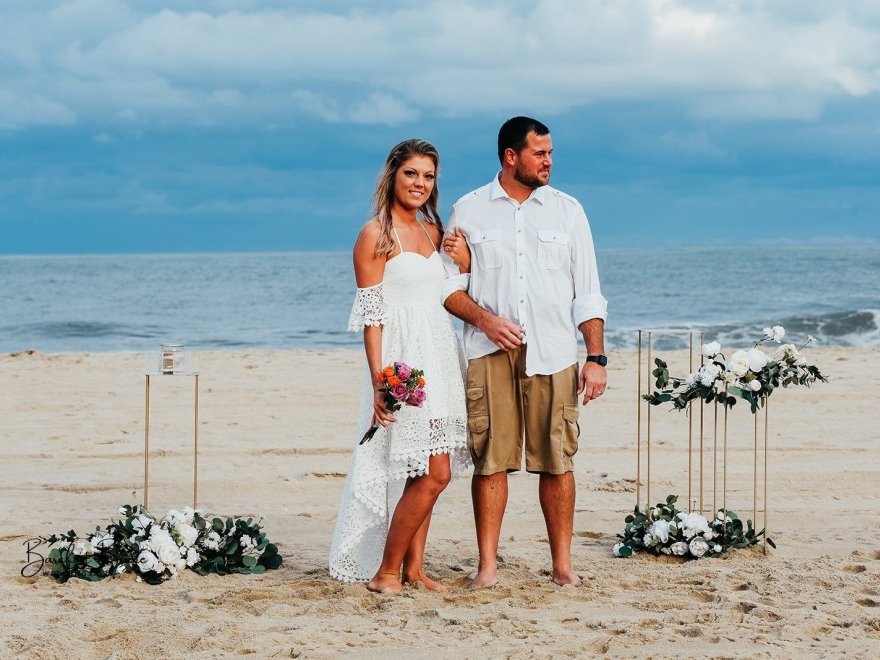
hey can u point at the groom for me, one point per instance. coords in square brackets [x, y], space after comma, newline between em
[533, 281]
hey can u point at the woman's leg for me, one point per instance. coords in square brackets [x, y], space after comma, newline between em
[414, 560]
[412, 513]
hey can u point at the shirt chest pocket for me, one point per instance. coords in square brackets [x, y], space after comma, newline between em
[487, 246]
[552, 249]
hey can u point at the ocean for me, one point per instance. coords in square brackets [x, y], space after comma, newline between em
[96, 303]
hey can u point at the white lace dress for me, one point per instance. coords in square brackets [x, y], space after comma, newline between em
[418, 330]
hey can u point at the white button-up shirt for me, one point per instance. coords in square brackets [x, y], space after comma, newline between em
[532, 263]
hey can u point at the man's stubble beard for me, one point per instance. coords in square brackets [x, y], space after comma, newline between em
[529, 181]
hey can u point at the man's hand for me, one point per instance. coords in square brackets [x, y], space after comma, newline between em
[592, 381]
[505, 334]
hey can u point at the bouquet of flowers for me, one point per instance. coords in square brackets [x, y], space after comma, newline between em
[751, 375]
[401, 384]
[156, 549]
[668, 531]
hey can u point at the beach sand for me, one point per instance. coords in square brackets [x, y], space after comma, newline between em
[275, 437]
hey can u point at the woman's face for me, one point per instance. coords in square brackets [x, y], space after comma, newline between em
[414, 182]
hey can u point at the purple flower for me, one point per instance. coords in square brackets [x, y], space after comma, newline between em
[417, 398]
[403, 370]
[400, 392]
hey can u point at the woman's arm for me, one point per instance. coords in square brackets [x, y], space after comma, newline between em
[368, 272]
[456, 246]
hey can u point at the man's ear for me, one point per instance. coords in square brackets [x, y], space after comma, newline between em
[509, 156]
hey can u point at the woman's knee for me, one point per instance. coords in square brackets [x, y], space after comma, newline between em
[439, 475]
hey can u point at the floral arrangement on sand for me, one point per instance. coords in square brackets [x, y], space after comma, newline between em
[750, 374]
[155, 550]
[666, 530]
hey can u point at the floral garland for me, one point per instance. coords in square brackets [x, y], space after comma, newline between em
[751, 375]
[156, 549]
[668, 531]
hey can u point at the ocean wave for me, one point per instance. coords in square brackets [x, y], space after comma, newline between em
[852, 328]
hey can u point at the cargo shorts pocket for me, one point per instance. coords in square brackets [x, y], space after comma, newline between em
[478, 420]
[572, 429]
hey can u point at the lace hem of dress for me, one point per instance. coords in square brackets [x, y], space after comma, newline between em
[448, 437]
[368, 308]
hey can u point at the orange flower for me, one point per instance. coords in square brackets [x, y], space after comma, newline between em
[380, 377]
[388, 371]
[421, 381]
[393, 381]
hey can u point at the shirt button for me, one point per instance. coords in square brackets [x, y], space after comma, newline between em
[520, 254]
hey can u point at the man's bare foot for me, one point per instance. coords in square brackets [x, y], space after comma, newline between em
[566, 578]
[382, 584]
[485, 578]
[429, 584]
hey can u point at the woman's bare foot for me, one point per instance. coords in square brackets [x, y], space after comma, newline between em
[567, 578]
[429, 584]
[485, 578]
[385, 584]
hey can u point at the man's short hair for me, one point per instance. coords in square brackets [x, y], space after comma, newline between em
[514, 131]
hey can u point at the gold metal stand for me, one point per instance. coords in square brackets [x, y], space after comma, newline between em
[195, 441]
[718, 435]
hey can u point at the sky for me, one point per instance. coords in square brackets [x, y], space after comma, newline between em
[184, 126]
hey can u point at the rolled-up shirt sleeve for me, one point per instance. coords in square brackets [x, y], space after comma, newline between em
[589, 303]
[455, 281]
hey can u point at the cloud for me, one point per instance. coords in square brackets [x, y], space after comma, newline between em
[96, 61]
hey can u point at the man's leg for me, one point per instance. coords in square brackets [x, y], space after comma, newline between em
[557, 494]
[489, 493]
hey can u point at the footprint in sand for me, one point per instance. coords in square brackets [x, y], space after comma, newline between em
[867, 602]
[855, 568]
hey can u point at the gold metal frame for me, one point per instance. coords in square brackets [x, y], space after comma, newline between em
[195, 441]
[649, 334]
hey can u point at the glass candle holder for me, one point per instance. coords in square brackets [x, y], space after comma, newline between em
[173, 359]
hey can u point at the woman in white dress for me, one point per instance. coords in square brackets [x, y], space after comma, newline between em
[396, 477]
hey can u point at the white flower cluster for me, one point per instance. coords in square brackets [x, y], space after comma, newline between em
[168, 545]
[249, 547]
[694, 533]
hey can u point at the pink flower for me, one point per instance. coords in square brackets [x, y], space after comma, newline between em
[403, 370]
[400, 392]
[417, 398]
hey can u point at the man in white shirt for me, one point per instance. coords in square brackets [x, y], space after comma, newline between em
[533, 282]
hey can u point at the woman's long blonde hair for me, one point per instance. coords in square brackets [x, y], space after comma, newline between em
[383, 197]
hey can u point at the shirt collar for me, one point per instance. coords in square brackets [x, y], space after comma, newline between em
[497, 192]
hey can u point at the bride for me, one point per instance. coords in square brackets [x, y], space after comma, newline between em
[396, 477]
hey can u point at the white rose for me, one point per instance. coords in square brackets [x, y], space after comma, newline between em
[757, 360]
[188, 533]
[648, 539]
[768, 332]
[189, 514]
[711, 349]
[82, 548]
[147, 561]
[246, 541]
[698, 546]
[778, 333]
[169, 554]
[192, 558]
[616, 549]
[755, 385]
[101, 542]
[716, 548]
[679, 548]
[660, 530]
[739, 363]
[691, 379]
[141, 523]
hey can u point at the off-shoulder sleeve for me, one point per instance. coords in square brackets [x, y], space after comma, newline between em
[368, 308]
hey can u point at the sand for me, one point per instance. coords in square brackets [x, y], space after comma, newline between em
[275, 435]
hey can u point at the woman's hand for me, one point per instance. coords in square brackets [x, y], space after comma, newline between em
[381, 415]
[455, 245]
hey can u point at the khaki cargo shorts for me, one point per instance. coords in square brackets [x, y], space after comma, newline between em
[505, 407]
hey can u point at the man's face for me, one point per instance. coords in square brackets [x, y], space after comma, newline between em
[534, 162]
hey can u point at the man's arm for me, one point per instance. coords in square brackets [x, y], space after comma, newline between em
[593, 377]
[505, 334]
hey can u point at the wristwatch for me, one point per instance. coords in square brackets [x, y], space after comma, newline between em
[601, 360]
